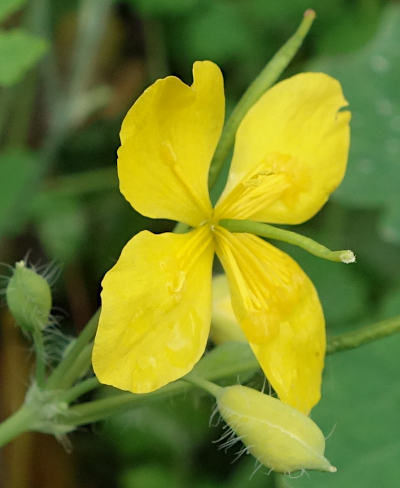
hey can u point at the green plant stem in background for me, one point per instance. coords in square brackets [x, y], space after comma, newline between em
[258, 87]
[271, 232]
[93, 16]
[84, 338]
[40, 356]
[363, 335]
[155, 46]
[92, 21]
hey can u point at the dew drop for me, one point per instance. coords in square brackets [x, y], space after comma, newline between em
[392, 146]
[176, 284]
[395, 123]
[379, 64]
[384, 107]
[365, 166]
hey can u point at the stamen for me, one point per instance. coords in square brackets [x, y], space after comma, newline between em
[258, 189]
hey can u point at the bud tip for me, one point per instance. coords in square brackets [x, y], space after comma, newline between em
[333, 469]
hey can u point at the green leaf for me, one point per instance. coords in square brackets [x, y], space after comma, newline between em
[61, 225]
[371, 80]
[7, 7]
[18, 171]
[19, 51]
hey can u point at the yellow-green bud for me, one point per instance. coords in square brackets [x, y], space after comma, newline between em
[224, 326]
[279, 436]
[28, 298]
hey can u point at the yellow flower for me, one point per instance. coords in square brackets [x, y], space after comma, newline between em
[290, 154]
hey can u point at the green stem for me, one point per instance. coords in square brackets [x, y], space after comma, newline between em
[73, 352]
[206, 385]
[6, 95]
[101, 409]
[40, 356]
[363, 335]
[26, 417]
[280, 481]
[155, 46]
[77, 369]
[271, 232]
[264, 80]
[80, 389]
[18, 423]
[93, 15]
[96, 410]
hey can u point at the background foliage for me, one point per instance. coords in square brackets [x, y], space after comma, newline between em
[69, 71]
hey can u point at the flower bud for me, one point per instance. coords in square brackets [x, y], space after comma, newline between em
[28, 298]
[279, 436]
[224, 326]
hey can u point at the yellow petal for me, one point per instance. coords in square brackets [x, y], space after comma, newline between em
[290, 152]
[278, 308]
[168, 139]
[156, 310]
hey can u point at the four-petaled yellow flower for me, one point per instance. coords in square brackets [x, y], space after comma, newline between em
[290, 154]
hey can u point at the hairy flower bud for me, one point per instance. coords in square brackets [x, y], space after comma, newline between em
[279, 436]
[28, 298]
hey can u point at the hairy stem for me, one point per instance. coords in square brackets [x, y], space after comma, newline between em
[363, 335]
[40, 356]
[18, 423]
[80, 389]
[73, 353]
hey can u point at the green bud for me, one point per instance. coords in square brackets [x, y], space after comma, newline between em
[224, 325]
[29, 298]
[279, 436]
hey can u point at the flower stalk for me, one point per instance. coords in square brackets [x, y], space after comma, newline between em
[73, 352]
[264, 80]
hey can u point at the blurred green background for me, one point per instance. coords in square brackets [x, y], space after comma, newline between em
[69, 71]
